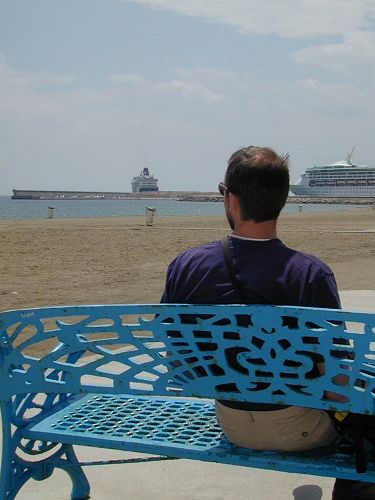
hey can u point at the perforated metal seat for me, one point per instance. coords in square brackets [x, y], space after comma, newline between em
[183, 428]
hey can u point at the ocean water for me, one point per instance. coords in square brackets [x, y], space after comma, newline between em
[38, 209]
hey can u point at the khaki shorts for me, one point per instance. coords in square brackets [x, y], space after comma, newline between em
[290, 429]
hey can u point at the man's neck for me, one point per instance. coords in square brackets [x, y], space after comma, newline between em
[262, 231]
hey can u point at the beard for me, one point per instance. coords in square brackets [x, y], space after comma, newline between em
[229, 219]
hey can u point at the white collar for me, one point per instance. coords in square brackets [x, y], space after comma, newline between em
[250, 239]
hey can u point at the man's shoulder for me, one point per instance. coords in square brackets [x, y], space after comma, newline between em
[312, 262]
[200, 252]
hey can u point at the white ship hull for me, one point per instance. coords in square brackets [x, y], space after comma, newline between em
[334, 191]
[144, 182]
[342, 179]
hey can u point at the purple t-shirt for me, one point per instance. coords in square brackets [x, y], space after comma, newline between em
[270, 272]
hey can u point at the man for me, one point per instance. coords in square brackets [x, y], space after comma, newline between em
[262, 270]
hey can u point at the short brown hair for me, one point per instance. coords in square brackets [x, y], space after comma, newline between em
[260, 179]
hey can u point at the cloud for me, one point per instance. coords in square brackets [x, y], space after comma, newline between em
[353, 58]
[186, 87]
[23, 93]
[286, 18]
[71, 137]
[57, 137]
[129, 79]
[11, 77]
[347, 25]
[341, 99]
[192, 89]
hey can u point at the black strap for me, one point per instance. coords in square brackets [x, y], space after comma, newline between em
[237, 285]
[239, 405]
[231, 271]
[360, 455]
[352, 437]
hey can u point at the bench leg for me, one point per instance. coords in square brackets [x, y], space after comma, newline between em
[16, 469]
[81, 486]
[12, 480]
[15, 473]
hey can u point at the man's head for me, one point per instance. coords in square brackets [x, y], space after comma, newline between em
[259, 177]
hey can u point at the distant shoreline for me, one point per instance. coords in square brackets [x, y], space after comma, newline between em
[196, 196]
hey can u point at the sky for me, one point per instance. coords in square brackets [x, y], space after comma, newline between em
[93, 91]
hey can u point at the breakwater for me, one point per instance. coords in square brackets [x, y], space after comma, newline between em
[19, 194]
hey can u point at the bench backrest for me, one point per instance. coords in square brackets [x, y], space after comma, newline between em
[235, 352]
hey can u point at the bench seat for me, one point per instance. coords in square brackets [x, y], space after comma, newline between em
[175, 427]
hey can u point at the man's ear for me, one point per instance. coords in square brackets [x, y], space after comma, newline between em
[234, 203]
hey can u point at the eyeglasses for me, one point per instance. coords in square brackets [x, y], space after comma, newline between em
[222, 188]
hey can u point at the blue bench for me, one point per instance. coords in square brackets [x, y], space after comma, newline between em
[142, 378]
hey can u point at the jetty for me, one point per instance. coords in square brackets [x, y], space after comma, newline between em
[28, 194]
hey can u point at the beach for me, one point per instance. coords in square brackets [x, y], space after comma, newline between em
[48, 262]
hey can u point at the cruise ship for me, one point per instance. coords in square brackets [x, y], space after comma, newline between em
[342, 179]
[145, 181]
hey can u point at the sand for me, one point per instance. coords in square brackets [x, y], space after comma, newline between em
[121, 260]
